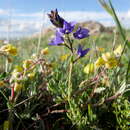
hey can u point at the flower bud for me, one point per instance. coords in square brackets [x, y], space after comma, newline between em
[56, 19]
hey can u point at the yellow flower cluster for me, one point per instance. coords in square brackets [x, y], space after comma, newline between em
[20, 71]
[9, 49]
[109, 60]
[28, 64]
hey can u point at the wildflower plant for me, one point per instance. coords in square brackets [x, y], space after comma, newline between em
[102, 86]
[85, 88]
[22, 80]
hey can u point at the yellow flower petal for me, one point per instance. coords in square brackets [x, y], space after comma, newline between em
[111, 63]
[9, 49]
[106, 56]
[118, 50]
[89, 68]
[99, 62]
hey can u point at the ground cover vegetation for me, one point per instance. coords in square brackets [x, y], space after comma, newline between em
[74, 80]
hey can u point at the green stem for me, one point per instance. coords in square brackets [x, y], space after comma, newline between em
[69, 81]
[6, 65]
[40, 37]
[67, 46]
[70, 43]
[117, 22]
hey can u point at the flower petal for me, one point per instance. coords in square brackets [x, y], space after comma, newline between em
[81, 33]
[57, 40]
[67, 27]
[82, 52]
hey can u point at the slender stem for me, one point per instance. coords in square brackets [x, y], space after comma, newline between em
[76, 60]
[40, 36]
[117, 22]
[67, 46]
[6, 65]
[70, 43]
[69, 81]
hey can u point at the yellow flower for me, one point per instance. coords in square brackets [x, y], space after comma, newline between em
[16, 72]
[89, 68]
[106, 56]
[9, 49]
[28, 64]
[17, 87]
[111, 63]
[99, 62]
[118, 50]
[45, 51]
[2, 83]
[64, 57]
[110, 60]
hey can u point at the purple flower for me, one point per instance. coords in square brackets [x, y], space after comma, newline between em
[82, 52]
[56, 19]
[67, 27]
[81, 33]
[57, 40]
